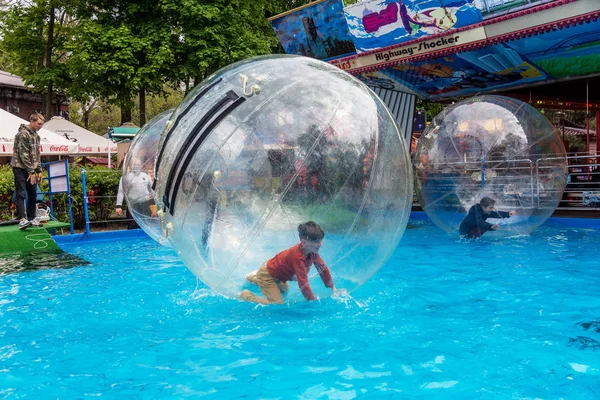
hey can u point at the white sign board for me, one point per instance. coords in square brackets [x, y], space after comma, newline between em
[58, 177]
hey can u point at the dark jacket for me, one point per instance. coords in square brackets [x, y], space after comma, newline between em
[476, 220]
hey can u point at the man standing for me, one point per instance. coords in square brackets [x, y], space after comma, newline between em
[27, 170]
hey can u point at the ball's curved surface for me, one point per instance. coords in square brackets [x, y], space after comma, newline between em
[271, 142]
[138, 173]
[490, 146]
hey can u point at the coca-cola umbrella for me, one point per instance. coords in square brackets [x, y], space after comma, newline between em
[50, 143]
[89, 143]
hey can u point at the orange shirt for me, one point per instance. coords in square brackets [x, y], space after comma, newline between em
[291, 263]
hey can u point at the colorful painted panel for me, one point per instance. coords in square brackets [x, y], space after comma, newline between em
[317, 30]
[564, 52]
[467, 73]
[375, 23]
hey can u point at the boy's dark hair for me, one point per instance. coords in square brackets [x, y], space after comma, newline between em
[486, 202]
[310, 231]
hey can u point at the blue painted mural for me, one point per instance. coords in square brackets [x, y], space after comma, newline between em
[467, 73]
[375, 24]
[317, 31]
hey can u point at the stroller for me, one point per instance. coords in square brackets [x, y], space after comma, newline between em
[42, 209]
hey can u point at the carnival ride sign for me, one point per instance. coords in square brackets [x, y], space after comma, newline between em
[398, 54]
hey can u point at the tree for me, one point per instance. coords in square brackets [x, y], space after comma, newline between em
[156, 104]
[215, 33]
[34, 36]
[121, 49]
[86, 109]
[97, 118]
[431, 109]
[5, 62]
[97, 115]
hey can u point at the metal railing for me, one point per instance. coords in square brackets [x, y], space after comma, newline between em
[583, 185]
[582, 192]
[103, 208]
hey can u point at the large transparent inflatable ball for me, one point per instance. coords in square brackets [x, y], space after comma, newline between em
[138, 175]
[496, 147]
[272, 142]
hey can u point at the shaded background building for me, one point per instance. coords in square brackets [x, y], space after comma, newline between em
[19, 99]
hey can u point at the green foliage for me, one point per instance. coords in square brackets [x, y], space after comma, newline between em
[100, 117]
[6, 63]
[158, 103]
[107, 62]
[25, 31]
[7, 186]
[110, 50]
[571, 118]
[104, 115]
[431, 109]
[120, 48]
[215, 33]
[102, 181]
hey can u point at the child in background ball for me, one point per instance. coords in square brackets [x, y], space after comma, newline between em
[291, 264]
[474, 225]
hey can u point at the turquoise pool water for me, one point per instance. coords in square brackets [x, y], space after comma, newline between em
[518, 318]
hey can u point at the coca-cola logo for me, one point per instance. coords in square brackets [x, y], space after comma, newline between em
[85, 149]
[59, 148]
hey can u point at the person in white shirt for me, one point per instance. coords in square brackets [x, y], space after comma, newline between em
[139, 196]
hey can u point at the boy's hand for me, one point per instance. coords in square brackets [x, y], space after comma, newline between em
[513, 212]
[340, 293]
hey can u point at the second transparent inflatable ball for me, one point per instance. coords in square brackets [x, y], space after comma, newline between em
[138, 174]
[490, 146]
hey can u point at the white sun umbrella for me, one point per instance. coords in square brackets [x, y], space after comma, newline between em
[50, 143]
[89, 143]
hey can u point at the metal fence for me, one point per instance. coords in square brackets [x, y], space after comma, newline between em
[99, 206]
[582, 192]
[583, 185]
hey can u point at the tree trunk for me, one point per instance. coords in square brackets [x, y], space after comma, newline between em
[86, 119]
[48, 111]
[87, 111]
[125, 115]
[142, 107]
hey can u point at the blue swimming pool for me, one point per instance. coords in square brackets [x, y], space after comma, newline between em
[518, 318]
